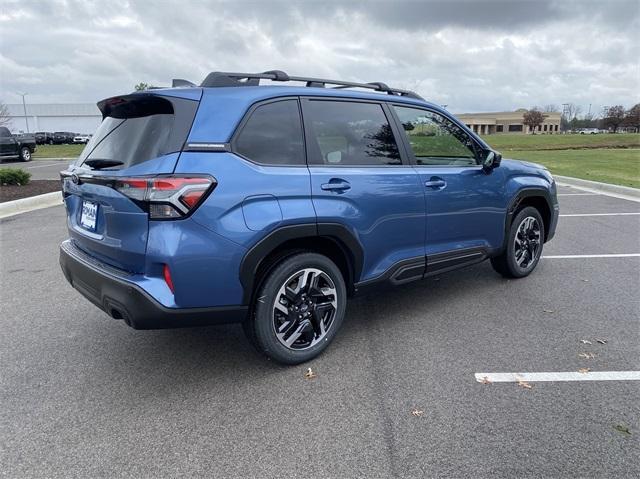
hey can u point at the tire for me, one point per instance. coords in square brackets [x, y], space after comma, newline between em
[50, 142]
[25, 154]
[298, 310]
[524, 245]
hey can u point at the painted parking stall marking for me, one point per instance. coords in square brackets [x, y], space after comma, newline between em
[578, 194]
[577, 215]
[570, 256]
[558, 376]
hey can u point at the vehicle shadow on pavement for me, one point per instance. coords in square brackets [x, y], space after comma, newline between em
[209, 352]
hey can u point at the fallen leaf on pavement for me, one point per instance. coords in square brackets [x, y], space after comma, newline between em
[587, 355]
[585, 341]
[548, 310]
[585, 280]
[584, 370]
[523, 384]
[309, 374]
[601, 341]
[485, 380]
[417, 412]
[623, 429]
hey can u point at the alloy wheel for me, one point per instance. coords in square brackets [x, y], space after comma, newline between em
[304, 309]
[527, 242]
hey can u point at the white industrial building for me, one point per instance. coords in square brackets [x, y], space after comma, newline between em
[73, 117]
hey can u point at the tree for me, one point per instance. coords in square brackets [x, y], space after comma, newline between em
[551, 108]
[533, 118]
[632, 117]
[141, 86]
[614, 116]
[569, 117]
[5, 118]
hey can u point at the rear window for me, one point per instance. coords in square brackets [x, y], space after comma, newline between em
[138, 128]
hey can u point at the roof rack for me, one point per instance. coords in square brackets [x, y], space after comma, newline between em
[220, 79]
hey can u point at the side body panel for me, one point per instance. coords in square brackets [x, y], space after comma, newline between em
[467, 212]
[250, 200]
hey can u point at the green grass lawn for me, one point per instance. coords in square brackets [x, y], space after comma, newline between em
[616, 166]
[57, 151]
[508, 142]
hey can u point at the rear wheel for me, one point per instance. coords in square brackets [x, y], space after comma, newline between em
[299, 309]
[524, 245]
[25, 154]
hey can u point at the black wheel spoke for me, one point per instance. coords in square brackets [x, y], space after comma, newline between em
[526, 243]
[304, 309]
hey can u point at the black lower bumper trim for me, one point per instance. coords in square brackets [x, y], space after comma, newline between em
[124, 300]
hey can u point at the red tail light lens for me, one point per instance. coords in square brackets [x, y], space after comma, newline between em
[168, 196]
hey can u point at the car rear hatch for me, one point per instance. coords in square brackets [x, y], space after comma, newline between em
[107, 190]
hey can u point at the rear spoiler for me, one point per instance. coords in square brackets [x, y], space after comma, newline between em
[135, 105]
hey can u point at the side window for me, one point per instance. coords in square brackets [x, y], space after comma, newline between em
[273, 135]
[436, 140]
[349, 133]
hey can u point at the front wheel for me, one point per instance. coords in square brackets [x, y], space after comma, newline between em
[25, 154]
[299, 309]
[524, 245]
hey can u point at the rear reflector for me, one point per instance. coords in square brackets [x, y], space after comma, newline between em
[167, 276]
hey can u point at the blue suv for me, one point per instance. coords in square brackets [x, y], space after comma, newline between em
[270, 204]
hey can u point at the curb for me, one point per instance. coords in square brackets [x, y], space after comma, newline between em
[24, 205]
[624, 192]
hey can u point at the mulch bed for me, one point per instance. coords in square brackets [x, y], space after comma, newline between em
[33, 188]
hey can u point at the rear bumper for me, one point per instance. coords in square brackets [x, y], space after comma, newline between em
[109, 289]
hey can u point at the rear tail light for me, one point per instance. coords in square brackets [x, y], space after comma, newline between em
[167, 196]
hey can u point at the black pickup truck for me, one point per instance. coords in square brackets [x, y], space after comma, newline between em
[12, 146]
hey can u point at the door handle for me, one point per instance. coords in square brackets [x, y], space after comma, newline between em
[435, 182]
[336, 185]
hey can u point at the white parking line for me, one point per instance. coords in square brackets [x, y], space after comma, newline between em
[571, 256]
[598, 214]
[558, 376]
[578, 194]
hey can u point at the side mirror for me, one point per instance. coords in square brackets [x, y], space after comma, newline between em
[491, 160]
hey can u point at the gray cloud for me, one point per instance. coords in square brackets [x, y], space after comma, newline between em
[471, 55]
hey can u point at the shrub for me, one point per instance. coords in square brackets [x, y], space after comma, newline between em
[14, 176]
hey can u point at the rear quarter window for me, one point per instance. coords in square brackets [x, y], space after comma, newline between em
[272, 135]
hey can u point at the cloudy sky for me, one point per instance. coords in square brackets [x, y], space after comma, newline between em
[470, 55]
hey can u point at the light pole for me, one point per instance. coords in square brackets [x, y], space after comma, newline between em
[24, 105]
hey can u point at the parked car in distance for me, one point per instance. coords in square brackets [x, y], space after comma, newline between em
[44, 138]
[271, 204]
[82, 139]
[16, 146]
[63, 137]
[589, 131]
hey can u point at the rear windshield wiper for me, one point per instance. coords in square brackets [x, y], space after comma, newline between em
[98, 164]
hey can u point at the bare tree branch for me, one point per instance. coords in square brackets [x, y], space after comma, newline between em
[5, 118]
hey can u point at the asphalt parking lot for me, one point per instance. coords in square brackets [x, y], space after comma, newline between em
[82, 395]
[40, 169]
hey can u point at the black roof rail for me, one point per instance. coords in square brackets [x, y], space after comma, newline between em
[219, 79]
